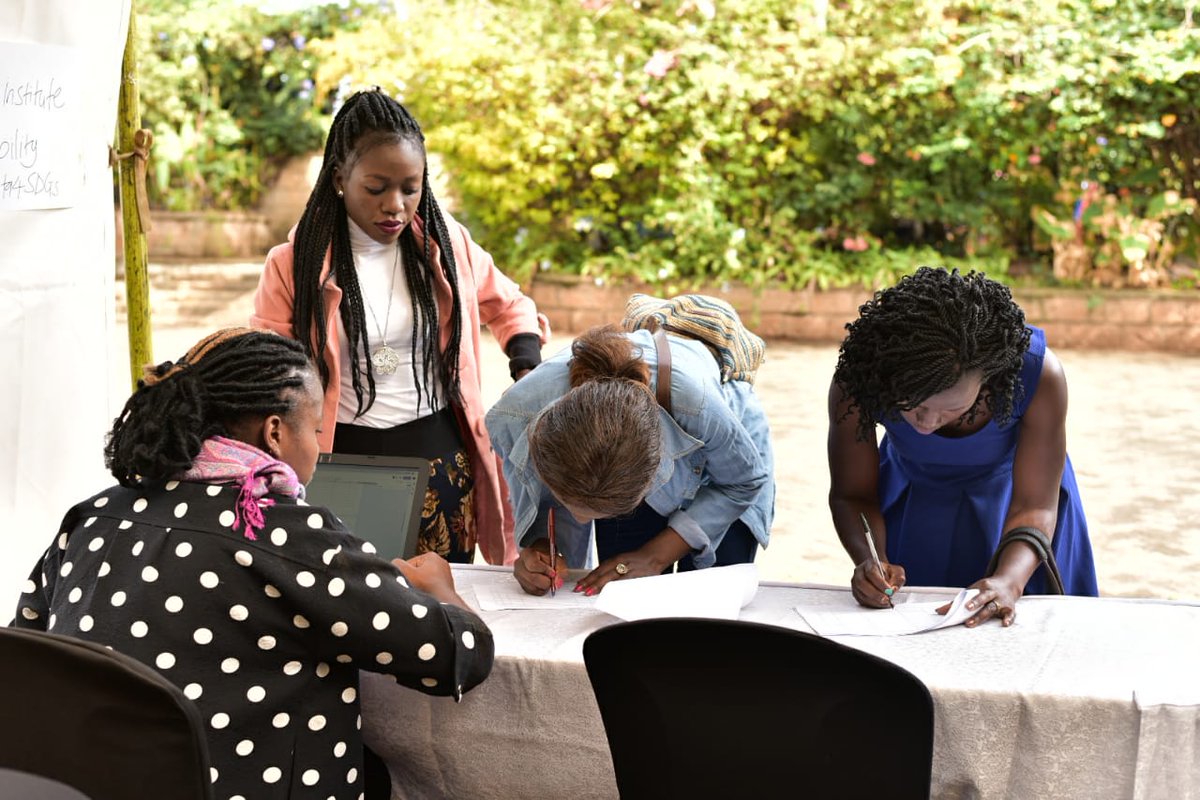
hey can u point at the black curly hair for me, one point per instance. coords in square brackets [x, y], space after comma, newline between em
[918, 338]
[366, 120]
[227, 376]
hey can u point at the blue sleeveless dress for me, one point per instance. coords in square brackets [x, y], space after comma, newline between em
[945, 499]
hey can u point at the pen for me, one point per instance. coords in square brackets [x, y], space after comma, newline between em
[553, 551]
[874, 557]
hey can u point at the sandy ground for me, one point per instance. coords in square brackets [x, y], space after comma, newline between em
[1132, 435]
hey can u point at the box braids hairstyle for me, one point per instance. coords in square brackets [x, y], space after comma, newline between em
[918, 337]
[367, 119]
[227, 376]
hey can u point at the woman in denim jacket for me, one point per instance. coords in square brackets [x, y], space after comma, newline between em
[583, 433]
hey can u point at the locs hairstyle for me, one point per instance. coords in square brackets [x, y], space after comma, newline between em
[227, 376]
[918, 338]
[366, 120]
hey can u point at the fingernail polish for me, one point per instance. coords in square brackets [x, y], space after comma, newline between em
[590, 592]
[889, 591]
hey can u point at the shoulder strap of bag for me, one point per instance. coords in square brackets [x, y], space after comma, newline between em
[662, 391]
[1041, 545]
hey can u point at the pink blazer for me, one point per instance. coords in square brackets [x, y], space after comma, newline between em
[489, 298]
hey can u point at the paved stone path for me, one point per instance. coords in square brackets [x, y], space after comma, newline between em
[1133, 435]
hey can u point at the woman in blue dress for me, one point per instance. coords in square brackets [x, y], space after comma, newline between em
[973, 458]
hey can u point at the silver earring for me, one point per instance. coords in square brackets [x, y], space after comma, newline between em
[340, 193]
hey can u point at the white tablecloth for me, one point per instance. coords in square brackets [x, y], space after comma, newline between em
[1081, 698]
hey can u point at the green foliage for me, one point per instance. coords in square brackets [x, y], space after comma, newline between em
[691, 141]
[1115, 241]
[228, 92]
[685, 141]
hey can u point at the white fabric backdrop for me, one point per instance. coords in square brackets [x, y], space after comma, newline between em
[56, 304]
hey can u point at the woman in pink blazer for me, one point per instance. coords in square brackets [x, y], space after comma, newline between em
[387, 293]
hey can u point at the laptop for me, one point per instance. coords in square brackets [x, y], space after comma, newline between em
[379, 498]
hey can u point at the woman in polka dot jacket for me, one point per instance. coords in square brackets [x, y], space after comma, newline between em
[206, 563]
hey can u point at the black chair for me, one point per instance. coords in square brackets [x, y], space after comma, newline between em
[99, 721]
[15, 784]
[697, 708]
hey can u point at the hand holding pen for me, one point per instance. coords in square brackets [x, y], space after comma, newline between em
[874, 583]
[537, 566]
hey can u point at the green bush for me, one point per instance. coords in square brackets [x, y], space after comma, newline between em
[689, 141]
[228, 92]
[753, 140]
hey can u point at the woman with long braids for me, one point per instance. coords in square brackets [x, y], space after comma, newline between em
[971, 476]
[387, 293]
[206, 564]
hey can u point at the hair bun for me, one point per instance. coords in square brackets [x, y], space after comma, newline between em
[606, 353]
[156, 373]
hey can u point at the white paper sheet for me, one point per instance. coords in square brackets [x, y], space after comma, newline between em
[508, 595]
[41, 146]
[715, 593]
[906, 618]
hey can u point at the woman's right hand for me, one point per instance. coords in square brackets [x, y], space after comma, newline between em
[532, 568]
[869, 587]
[430, 573]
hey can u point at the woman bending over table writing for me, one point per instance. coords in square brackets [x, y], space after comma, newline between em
[973, 457]
[583, 433]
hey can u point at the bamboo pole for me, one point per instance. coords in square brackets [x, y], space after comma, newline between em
[137, 281]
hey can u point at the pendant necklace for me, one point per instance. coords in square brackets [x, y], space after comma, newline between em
[385, 360]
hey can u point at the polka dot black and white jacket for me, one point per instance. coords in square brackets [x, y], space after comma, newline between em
[266, 636]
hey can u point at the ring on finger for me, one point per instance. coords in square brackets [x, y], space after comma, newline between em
[994, 606]
[622, 568]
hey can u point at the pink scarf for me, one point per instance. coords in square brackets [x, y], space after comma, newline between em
[223, 460]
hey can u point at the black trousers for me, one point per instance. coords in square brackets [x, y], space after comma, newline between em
[624, 534]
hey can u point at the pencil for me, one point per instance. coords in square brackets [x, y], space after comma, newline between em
[553, 552]
[874, 553]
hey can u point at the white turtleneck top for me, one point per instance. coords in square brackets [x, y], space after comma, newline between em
[396, 395]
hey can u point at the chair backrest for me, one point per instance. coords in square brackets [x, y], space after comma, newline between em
[97, 720]
[697, 708]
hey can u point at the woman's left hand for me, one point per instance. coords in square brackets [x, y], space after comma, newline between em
[636, 564]
[650, 559]
[997, 599]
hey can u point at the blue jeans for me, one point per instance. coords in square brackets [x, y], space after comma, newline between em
[624, 534]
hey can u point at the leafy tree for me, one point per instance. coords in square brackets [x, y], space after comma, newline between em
[229, 94]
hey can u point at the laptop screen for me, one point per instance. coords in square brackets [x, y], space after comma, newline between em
[378, 498]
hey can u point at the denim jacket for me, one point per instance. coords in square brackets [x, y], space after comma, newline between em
[716, 467]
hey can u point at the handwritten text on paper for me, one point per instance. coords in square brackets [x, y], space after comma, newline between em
[40, 109]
